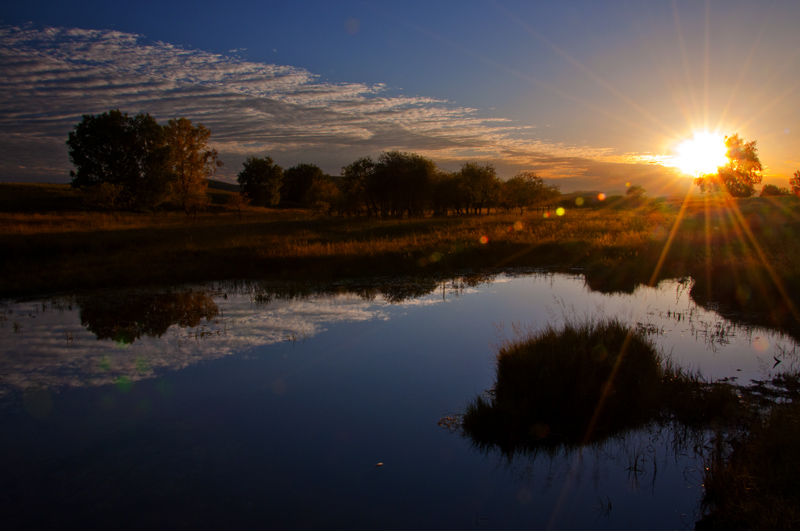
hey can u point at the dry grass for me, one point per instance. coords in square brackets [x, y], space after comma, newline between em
[55, 250]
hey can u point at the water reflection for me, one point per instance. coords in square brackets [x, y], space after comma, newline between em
[140, 333]
[125, 317]
[286, 388]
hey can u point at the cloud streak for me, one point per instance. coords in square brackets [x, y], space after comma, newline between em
[50, 77]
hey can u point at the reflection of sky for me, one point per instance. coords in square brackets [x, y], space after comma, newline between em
[51, 348]
[42, 342]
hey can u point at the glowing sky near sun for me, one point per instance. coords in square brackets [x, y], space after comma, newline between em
[592, 94]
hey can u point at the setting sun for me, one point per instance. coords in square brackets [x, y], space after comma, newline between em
[703, 153]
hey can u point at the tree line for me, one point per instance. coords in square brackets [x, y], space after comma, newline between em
[396, 185]
[133, 162]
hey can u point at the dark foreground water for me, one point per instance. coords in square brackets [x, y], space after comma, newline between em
[243, 406]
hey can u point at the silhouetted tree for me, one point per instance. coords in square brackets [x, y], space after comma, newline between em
[261, 181]
[635, 191]
[297, 180]
[447, 194]
[794, 182]
[130, 153]
[355, 198]
[191, 162]
[481, 184]
[400, 183]
[772, 190]
[740, 175]
[526, 189]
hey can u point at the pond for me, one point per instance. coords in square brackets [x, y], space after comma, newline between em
[236, 405]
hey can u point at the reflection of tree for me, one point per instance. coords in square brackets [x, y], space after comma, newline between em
[125, 318]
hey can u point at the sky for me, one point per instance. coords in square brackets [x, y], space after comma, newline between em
[590, 95]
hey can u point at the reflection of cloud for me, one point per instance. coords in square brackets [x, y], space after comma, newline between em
[52, 349]
[51, 77]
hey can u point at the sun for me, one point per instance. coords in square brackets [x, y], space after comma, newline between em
[702, 154]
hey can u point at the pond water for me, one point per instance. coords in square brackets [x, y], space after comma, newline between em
[241, 405]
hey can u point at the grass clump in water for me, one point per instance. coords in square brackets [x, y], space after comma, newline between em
[583, 384]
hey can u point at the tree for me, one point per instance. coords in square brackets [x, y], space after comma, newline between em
[741, 174]
[772, 190]
[192, 162]
[401, 183]
[130, 153]
[297, 180]
[355, 198]
[635, 191]
[481, 184]
[323, 195]
[794, 182]
[526, 189]
[261, 181]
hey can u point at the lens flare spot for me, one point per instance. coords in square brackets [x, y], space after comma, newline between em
[560, 211]
[352, 25]
[518, 225]
[279, 387]
[601, 196]
[124, 384]
[579, 201]
[37, 402]
[761, 344]
[484, 240]
[435, 257]
[546, 215]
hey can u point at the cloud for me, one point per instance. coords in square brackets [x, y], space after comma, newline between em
[50, 77]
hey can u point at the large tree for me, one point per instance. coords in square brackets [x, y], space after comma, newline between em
[741, 174]
[482, 185]
[261, 181]
[297, 181]
[356, 199]
[128, 154]
[192, 162]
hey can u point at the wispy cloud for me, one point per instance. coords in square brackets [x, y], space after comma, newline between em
[50, 77]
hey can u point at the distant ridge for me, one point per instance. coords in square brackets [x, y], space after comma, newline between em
[213, 184]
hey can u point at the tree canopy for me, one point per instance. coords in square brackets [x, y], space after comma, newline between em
[191, 162]
[297, 181]
[261, 181]
[129, 155]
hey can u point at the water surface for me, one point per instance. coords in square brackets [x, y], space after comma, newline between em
[243, 405]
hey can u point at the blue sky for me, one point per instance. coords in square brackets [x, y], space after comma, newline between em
[589, 94]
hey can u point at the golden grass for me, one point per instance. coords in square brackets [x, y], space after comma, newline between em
[50, 251]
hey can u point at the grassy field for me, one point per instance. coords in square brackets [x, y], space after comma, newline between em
[735, 249]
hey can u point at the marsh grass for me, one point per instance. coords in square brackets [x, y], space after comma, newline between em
[583, 384]
[63, 246]
[596, 381]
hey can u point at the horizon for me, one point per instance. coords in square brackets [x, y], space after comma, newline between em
[589, 97]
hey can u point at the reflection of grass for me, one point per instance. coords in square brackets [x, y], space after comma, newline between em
[751, 479]
[557, 390]
[583, 384]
